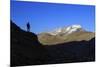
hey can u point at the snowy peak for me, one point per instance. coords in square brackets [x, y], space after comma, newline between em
[67, 30]
[66, 34]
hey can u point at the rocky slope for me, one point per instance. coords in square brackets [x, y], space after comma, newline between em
[66, 34]
[27, 50]
[75, 51]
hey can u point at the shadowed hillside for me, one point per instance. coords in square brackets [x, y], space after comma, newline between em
[27, 50]
[76, 51]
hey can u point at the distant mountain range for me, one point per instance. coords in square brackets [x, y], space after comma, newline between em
[65, 34]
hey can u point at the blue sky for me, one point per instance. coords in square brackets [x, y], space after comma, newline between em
[48, 16]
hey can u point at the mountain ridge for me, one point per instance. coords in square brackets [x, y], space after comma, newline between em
[27, 50]
[66, 29]
[65, 34]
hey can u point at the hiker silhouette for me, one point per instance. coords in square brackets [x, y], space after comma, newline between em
[28, 27]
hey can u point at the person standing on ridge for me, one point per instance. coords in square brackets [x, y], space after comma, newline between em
[28, 27]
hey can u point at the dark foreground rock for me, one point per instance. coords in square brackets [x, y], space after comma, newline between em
[27, 50]
[82, 51]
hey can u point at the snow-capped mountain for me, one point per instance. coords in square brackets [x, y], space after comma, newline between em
[65, 34]
[67, 30]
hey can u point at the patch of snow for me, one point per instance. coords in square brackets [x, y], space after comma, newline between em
[67, 30]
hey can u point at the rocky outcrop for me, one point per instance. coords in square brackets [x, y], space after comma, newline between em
[25, 48]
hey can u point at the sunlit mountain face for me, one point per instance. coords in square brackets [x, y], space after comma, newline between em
[65, 34]
[66, 30]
